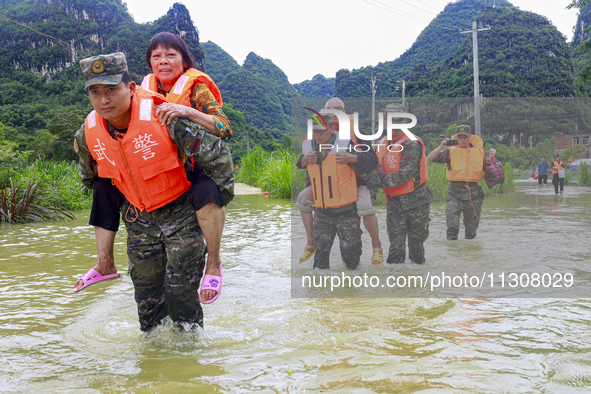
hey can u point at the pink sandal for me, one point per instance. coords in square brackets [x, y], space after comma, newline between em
[93, 276]
[212, 282]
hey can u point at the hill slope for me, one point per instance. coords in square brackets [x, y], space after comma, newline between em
[436, 43]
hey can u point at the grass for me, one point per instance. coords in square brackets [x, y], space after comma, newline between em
[252, 166]
[60, 181]
[269, 171]
[275, 176]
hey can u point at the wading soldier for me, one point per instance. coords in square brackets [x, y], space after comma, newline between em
[330, 163]
[365, 209]
[465, 164]
[122, 139]
[403, 170]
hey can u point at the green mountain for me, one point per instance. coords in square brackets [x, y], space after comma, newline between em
[436, 43]
[527, 81]
[318, 86]
[522, 55]
[259, 89]
[47, 37]
[42, 95]
[218, 62]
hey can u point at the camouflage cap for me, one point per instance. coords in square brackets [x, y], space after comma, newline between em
[104, 69]
[463, 129]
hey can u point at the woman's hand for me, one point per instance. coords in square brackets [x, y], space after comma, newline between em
[168, 111]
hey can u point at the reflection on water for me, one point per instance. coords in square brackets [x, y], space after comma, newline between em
[257, 337]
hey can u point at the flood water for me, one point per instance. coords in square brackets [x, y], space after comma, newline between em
[258, 338]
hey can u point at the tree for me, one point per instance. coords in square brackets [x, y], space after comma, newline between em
[575, 151]
[585, 46]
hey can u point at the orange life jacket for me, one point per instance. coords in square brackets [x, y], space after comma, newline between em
[144, 164]
[333, 184]
[467, 164]
[391, 163]
[182, 90]
[556, 165]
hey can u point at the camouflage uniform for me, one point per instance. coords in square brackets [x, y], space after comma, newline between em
[408, 214]
[347, 224]
[462, 197]
[343, 221]
[165, 247]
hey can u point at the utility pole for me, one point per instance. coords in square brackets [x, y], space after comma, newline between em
[474, 32]
[373, 104]
[403, 93]
[247, 141]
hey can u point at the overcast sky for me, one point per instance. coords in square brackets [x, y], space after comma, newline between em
[307, 37]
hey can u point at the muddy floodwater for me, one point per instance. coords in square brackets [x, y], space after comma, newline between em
[263, 336]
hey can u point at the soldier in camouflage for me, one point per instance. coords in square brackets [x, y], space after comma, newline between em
[165, 246]
[409, 198]
[464, 194]
[342, 219]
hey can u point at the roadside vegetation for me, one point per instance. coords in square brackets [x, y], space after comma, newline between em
[269, 171]
[44, 190]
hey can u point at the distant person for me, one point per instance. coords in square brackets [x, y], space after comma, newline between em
[558, 173]
[191, 94]
[305, 203]
[404, 180]
[542, 171]
[465, 164]
[124, 141]
[334, 192]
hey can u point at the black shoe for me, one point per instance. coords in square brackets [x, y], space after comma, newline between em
[452, 238]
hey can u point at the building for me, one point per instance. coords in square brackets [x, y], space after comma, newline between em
[561, 142]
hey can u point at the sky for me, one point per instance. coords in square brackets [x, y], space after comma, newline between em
[309, 37]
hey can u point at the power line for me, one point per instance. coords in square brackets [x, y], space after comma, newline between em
[429, 5]
[410, 16]
[395, 11]
[419, 8]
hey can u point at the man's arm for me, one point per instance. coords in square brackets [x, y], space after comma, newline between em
[440, 154]
[105, 239]
[208, 150]
[410, 159]
[87, 168]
